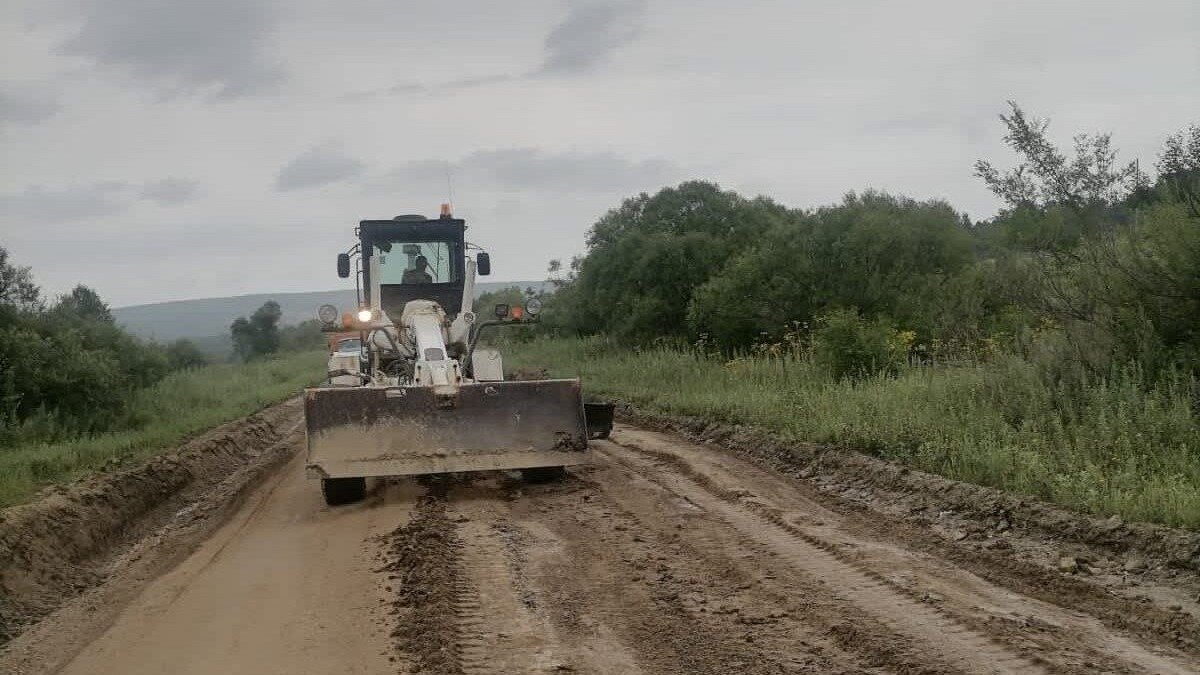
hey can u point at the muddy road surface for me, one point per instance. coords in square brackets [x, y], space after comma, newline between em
[662, 556]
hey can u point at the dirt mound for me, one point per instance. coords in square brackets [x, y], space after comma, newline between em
[421, 556]
[70, 538]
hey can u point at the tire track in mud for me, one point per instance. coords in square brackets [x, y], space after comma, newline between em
[497, 631]
[613, 597]
[1151, 622]
[790, 618]
[1068, 635]
[474, 642]
[786, 613]
[894, 606]
[610, 579]
[872, 499]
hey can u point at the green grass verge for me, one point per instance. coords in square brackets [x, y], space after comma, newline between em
[182, 404]
[1116, 446]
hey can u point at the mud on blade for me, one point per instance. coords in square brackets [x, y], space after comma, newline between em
[418, 430]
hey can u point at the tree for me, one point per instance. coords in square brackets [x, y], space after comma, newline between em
[646, 257]
[17, 289]
[68, 369]
[183, 354]
[265, 321]
[485, 304]
[873, 253]
[243, 338]
[1110, 261]
[258, 335]
[1046, 176]
[1179, 168]
[85, 303]
[302, 336]
[1180, 153]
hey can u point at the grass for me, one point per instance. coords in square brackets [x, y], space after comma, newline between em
[1116, 446]
[182, 404]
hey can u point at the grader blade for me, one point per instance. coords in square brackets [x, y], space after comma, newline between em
[400, 431]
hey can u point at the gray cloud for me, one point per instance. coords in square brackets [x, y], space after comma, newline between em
[37, 204]
[589, 34]
[170, 191]
[22, 104]
[972, 123]
[317, 166]
[216, 46]
[461, 83]
[519, 169]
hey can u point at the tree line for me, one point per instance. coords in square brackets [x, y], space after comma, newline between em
[260, 335]
[1090, 264]
[66, 367]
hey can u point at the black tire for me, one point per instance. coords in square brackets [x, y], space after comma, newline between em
[340, 491]
[543, 474]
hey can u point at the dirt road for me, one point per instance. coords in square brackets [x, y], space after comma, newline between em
[661, 557]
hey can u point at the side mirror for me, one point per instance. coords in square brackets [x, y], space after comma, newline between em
[483, 264]
[343, 265]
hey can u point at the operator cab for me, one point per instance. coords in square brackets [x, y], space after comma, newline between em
[414, 258]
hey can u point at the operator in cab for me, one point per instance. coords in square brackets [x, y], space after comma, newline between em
[418, 275]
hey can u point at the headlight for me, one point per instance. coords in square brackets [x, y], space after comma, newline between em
[328, 314]
[364, 315]
[533, 306]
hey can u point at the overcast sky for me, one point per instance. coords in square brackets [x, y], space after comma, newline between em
[166, 150]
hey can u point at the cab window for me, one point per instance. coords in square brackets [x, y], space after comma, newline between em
[426, 262]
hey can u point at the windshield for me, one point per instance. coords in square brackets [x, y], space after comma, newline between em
[416, 262]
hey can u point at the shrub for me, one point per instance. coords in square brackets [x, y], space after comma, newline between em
[849, 346]
[183, 354]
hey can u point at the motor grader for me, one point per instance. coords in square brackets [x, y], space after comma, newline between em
[424, 397]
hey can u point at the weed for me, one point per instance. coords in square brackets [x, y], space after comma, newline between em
[1118, 445]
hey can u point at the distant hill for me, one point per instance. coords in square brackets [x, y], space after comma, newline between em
[209, 318]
